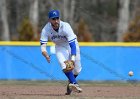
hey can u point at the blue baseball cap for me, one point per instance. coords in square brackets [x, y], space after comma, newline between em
[53, 14]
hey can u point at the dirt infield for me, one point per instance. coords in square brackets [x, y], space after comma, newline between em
[51, 90]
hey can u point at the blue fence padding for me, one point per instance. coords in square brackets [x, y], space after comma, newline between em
[99, 63]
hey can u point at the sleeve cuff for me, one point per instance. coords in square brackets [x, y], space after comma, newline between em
[73, 57]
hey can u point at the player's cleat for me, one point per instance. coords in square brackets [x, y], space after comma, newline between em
[68, 90]
[75, 87]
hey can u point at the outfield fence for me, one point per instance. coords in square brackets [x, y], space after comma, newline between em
[101, 61]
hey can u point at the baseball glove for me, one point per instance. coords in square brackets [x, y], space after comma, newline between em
[69, 65]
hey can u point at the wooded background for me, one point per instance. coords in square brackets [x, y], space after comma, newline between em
[92, 20]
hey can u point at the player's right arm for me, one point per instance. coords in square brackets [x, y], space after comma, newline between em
[43, 42]
[44, 52]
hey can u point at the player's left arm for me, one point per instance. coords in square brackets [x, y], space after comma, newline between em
[71, 38]
[73, 50]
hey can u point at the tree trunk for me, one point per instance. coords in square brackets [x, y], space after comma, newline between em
[34, 16]
[53, 5]
[71, 19]
[123, 19]
[5, 33]
[136, 11]
[65, 10]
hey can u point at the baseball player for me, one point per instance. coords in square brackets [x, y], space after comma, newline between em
[66, 47]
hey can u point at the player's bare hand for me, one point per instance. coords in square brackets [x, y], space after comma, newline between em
[48, 59]
[46, 56]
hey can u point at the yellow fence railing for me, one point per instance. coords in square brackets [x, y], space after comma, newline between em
[28, 43]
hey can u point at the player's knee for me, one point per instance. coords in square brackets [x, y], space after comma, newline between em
[76, 72]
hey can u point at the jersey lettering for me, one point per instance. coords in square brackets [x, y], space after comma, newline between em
[58, 37]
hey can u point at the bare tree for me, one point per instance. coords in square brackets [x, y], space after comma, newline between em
[123, 18]
[68, 11]
[52, 3]
[3, 10]
[71, 19]
[135, 11]
[65, 10]
[34, 16]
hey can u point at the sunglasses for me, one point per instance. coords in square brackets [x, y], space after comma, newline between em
[55, 18]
